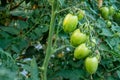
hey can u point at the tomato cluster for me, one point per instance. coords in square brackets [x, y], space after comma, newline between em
[110, 13]
[79, 40]
[107, 12]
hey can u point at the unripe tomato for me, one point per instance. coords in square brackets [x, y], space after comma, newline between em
[104, 12]
[117, 34]
[77, 38]
[111, 10]
[81, 51]
[80, 14]
[70, 23]
[109, 23]
[91, 64]
[116, 17]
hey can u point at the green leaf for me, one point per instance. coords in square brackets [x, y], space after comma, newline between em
[115, 28]
[118, 73]
[15, 49]
[34, 70]
[11, 30]
[68, 74]
[106, 32]
[61, 2]
[22, 24]
[5, 53]
[6, 74]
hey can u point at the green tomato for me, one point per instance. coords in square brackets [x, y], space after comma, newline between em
[70, 23]
[80, 14]
[77, 38]
[111, 10]
[91, 64]
[81, 51]
[109, 23]
[117, 34]
[116, 17]
[104, 12]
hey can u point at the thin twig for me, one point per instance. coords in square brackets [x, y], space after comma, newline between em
[17, 5]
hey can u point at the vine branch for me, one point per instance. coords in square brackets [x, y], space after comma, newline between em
[49, 47]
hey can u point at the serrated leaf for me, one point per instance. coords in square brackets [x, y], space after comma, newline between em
[15, 49]
[118, 73]
[11, 30]
[34, 70]
[4, 34]
[106, 32]
[100, 23]
[4, 43]
[5, 53]
[22, 24]
[115, 28]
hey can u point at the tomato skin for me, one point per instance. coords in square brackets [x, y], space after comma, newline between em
[77, 38]
[80, 14]
[81, 51]
[104, 12]
[109, 24]
[111, 10]
[91, 64]
[70, 23]
[116, 17]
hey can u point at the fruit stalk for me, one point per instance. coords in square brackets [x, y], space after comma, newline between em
[100, 2]
[49, 47]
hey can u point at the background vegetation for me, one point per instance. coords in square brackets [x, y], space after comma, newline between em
[24, 29]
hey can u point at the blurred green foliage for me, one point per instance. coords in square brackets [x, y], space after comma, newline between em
[23, 40]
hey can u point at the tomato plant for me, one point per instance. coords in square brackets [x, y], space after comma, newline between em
[59, 39]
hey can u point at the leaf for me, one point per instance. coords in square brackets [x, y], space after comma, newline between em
[34, 70]
[17, 13]
[106, 32]
[6, 74]
[118, 73]
[115, 28]
[11, 30]
[61, 2]
[15, 49]
[22, 24]
[100, 23]
[68, 74]
[5, 53]
[104, 47]
[4, 34]
[27, 1]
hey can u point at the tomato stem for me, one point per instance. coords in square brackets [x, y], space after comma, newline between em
[49, 47]
[91, 78]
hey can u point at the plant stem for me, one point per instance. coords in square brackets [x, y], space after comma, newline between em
[91, 78]
[49, 47]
